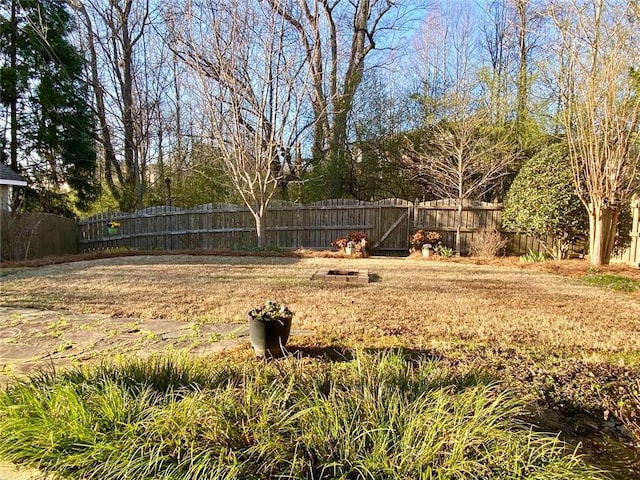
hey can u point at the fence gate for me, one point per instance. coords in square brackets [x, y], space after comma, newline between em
[393, 227]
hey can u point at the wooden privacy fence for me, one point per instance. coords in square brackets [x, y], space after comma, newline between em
[388, 225]
[632, 253]
[289, 225]
[441, 215]
[28, 235]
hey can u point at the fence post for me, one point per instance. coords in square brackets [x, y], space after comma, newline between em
[414, 218]
[634, 248]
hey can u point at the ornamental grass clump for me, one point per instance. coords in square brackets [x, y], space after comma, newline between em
[532, 257]
[372, 416]
[487, 243]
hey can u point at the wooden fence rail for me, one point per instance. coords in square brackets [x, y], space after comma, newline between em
[230, 226]
[388, 225]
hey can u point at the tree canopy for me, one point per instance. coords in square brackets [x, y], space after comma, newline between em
[50, 130]
[322, 94]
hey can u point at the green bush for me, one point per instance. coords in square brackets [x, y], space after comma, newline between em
[375, 417]
[543, 201]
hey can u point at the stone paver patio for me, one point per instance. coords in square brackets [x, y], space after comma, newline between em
[32, 339]
[39, 339]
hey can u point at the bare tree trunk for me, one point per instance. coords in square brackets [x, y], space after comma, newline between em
[128, 122]
[601, 111]
[458, 226]
[613, 229]
[13, 103]
[603, 222]
[111, 164]
[14, 94]
[523, 81]
[261, 229]
[111, 46]
[336, 69]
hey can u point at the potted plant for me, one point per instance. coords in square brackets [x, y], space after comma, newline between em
[427, 250]
[112, 227]
[340, 243]
[269, 327]
[421, 238]
[355, 242]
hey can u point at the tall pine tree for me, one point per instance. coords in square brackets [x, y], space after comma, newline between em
[47, 121]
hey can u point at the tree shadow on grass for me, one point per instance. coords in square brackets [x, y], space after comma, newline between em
[335, 353]
[374, 277]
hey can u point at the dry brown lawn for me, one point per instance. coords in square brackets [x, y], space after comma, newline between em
[566, 345]
[410, 302]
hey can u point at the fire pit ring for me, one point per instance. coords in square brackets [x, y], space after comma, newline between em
[342, 275]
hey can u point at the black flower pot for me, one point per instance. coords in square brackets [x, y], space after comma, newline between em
[269, 338]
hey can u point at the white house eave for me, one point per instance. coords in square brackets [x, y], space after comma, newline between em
[15, 183]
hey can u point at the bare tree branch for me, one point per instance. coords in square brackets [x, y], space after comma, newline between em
[252, 86]
[598, 52]
[461, 158]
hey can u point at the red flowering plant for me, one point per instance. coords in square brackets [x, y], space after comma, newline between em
[423, 239]
[354, 239]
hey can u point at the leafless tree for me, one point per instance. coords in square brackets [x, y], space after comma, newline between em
[461, 157]
[599, 80]
[524, 47]
[494, 46]
[124, 80]
[511, 31]
[252, 87]
[337, 36]
[498, 43]
[446, 51]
